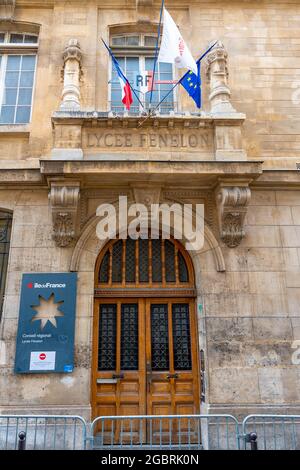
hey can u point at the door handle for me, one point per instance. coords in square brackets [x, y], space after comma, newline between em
[172, 376]
[118, 376]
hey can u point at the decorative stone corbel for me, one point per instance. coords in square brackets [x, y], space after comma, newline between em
[146, 195]
[232, 204]
[71, 73]
[64, 199]
[7, 9]
[217, 75]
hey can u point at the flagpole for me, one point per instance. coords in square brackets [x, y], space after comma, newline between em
[125, 78]
[183, 77]
[156, 50]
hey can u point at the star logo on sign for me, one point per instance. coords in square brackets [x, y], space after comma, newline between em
[47, 311]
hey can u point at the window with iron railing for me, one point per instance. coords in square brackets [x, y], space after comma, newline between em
[5, 234]
[135, 54]
[17, 72]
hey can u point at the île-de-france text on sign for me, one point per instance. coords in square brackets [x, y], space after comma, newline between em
[45, 339]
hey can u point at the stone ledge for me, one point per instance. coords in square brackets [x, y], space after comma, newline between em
[12, 129]
[278, 179]
[108, 119]
[20, 177]
[197, 169]
[33, 163]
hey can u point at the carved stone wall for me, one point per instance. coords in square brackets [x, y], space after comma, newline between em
[7, 9]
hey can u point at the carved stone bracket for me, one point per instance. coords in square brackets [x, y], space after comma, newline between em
[232, 204]
[7, 9]
[71, 73]
[64, 199]
[147, 195]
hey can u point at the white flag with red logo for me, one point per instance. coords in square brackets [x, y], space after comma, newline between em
[173, 48]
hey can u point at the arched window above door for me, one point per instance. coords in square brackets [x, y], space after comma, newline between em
[145, 263]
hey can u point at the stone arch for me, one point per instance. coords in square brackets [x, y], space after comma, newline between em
[9, 25]
[89, 245]
[83, 261]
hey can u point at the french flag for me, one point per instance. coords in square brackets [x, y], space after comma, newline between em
[125, 87]
[124, 83]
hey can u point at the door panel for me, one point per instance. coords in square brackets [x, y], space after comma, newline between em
[118, 367]
[174, 386]
[145, 362]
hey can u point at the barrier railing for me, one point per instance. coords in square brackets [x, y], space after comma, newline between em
[274, 432]
[165, 432]
[194, 432]
[42, 432]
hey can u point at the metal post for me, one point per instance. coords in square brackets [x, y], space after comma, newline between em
[22, 440]
[251, 438]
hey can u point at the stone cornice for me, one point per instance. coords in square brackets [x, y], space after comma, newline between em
[21, 177]
[116, 173]
[24, 173]
[281, 179]
[106, 119]
[122, 3]
[242, 169]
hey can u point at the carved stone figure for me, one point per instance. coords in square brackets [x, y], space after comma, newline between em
[72, 72]
[217, 75]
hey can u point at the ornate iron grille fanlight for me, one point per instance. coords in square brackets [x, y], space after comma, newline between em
[143, 262]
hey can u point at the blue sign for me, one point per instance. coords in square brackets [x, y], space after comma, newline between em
[45, 340]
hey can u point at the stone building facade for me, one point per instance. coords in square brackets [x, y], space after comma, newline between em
[238, 157]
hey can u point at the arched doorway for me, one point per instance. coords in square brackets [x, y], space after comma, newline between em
[145, 341]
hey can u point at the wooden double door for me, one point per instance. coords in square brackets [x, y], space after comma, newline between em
[145, 359]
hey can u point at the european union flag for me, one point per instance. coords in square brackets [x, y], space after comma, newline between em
[192, 84]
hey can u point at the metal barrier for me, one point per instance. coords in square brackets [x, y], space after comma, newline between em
[177, 432]
[43, 432]
[274, 432]
[165, 432]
